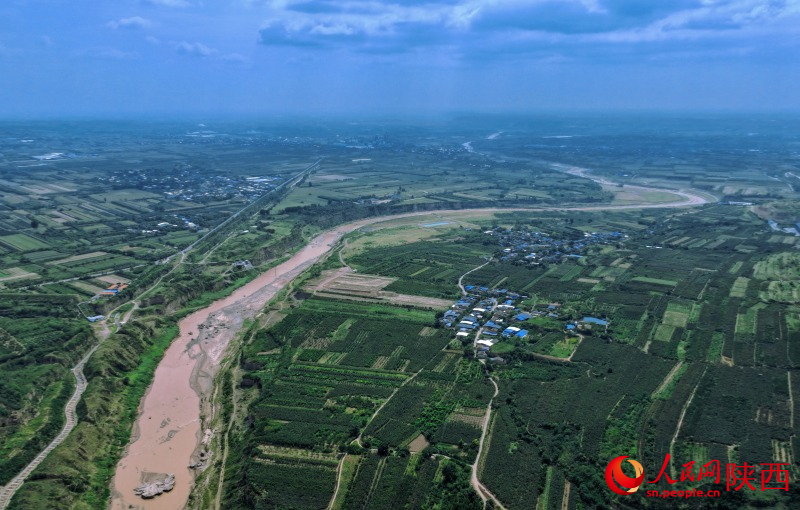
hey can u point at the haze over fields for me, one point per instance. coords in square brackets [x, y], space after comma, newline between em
[377, 56]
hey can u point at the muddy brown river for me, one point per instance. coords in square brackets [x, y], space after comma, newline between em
[167, 436]
[167, 433]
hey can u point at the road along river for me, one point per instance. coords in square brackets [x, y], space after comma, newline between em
[167, 436]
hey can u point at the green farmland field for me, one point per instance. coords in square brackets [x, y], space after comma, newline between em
[23, 242]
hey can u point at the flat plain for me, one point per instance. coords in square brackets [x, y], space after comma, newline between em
[352, 377]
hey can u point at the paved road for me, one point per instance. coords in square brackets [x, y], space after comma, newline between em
[290, 182]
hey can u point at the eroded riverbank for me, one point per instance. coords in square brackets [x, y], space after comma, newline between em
[167, 435]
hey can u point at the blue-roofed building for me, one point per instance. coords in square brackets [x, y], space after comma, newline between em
[571, 327]
[522, 333]
[523, 316]
[484, 289]
[469, 287]
[595, 320]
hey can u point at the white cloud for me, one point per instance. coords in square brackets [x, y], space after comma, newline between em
[195, 49]
[132, 22]
[152, 40]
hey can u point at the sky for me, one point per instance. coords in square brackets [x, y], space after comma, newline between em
[357, 57]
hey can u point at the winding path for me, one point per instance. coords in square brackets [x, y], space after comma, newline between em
[680, 423]
[460, 280]
[9, 490]
[484, 493]
[378, 410]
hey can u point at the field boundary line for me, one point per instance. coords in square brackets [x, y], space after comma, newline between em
[378, 410]
[680, 423]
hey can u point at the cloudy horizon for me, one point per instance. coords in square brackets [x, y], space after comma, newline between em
[158, 57]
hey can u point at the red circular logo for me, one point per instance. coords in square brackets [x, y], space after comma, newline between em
[615, 477]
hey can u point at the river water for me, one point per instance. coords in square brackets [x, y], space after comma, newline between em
[168, 430]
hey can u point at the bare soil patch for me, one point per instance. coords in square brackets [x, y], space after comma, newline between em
[112, 279]
[418, 444]
[343, 283]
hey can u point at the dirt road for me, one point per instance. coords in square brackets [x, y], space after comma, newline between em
[482, 491]
[9, 490]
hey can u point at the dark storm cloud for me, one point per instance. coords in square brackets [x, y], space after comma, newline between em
[374, 26]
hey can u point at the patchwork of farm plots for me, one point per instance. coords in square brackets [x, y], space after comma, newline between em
[337, 373]
[696, 361]
[125, 206]
[425, 177]
[687, 311]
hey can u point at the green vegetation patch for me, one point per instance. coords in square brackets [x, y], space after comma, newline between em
[739, 288]
[664, 332]
[780, 266]
[782, 291]
[656, 281]
[23, 242]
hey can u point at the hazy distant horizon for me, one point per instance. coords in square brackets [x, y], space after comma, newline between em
[407, 117]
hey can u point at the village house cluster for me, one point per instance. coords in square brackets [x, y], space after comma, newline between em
[493, 315]
[192, 184]
[538, 247]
